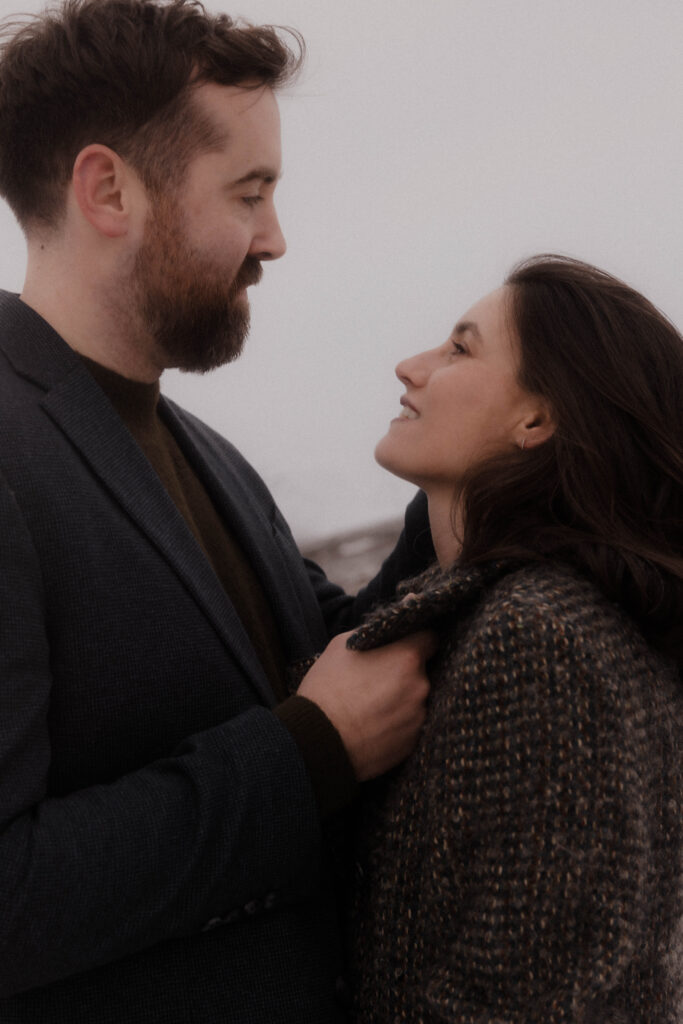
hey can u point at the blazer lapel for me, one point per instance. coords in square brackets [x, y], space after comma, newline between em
[248, 519]
[78, 406]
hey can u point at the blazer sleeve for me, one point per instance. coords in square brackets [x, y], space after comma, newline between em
[413, 553]
[543, 886]
[227, 819]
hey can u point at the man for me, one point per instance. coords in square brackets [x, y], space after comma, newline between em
[162, 793]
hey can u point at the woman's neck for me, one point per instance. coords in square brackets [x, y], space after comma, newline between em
[446, 525]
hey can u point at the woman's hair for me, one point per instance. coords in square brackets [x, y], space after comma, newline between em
[119, 72]
[605, 492]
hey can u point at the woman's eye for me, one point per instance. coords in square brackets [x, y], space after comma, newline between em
[458, 349]
[252, 200]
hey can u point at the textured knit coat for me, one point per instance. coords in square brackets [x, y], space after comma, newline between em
[524, 865]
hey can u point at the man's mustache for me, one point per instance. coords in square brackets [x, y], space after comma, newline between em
[249, 273]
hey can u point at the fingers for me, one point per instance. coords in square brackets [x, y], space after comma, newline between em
[426, 642]
[376, 699]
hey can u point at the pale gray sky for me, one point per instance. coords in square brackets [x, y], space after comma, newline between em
[427, 147]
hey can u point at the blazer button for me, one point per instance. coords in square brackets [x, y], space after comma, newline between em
[342, 991]
[251, 907]
[213, 923]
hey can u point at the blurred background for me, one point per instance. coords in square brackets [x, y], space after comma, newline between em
[427, 148]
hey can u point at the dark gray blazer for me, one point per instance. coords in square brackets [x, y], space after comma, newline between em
[160, 847]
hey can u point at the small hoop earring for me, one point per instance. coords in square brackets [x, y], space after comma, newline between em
[523, 443]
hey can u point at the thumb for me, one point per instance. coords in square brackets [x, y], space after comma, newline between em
[426, 643]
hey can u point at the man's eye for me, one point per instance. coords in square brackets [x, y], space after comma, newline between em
[252, 200]
[458, 349]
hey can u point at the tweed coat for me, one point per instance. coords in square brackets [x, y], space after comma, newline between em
[524, 865]
[161, 856]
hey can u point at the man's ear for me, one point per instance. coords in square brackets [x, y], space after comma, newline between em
[538, 425]
[103, 188]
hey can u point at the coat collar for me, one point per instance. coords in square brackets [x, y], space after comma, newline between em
[425, 601]
[80, 409]
[32, 346]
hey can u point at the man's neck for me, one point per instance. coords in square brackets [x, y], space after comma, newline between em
[93, 320]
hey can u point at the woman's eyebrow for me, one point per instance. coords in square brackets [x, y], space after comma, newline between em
[467, 325]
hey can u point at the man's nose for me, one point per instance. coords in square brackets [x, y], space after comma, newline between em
[269, 243]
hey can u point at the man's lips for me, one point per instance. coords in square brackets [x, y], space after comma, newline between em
[250, 273]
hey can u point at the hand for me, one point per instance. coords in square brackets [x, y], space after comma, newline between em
[375, 699]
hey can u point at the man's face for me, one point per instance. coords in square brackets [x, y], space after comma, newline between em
[203, 245]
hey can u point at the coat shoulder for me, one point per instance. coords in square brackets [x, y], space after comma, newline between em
[554, 607]
[540, 602]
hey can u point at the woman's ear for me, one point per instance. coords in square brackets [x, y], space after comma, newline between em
[103, 187]
[538, 426]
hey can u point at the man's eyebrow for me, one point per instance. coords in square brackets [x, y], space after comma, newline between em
[262, 174]
[467, 325]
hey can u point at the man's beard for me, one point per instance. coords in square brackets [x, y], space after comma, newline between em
[196, 319]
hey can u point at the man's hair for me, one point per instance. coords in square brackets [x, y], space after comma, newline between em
[120, 73]
[605, 492]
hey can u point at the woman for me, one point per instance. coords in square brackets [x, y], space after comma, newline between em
[524, 865]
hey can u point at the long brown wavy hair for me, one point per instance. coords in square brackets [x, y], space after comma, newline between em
[605, 493]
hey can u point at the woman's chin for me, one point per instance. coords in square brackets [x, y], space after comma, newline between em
[388, 456]
[383, 453]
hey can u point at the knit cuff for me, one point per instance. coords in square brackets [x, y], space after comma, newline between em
[332, 776]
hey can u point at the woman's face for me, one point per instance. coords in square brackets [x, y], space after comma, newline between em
[462, 402]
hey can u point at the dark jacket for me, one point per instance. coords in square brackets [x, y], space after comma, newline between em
[524, 865]
[160, 845]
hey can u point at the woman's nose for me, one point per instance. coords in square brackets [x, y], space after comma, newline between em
[415, 370]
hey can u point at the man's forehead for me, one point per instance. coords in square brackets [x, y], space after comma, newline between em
[244, 121]
[228, 101]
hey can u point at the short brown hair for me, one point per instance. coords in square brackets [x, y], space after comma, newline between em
[119, 72]
[605, 492]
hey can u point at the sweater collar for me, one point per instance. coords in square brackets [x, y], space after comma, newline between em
[135, 401]
[425, 600]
